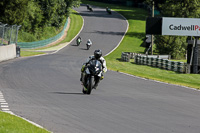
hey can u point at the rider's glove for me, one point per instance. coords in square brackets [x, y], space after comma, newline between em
[83, 67]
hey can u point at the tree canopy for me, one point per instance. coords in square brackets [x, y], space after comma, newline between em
[13, 11]
[181, 8]
[35, 14]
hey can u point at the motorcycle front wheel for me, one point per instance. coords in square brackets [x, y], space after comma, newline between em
[88, 47]
[84, 92]
[90, 84]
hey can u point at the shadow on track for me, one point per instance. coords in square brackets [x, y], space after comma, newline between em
[83, 48]
[74, 45]
[68, 93]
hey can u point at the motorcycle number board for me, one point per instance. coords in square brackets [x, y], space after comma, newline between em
[181, 26]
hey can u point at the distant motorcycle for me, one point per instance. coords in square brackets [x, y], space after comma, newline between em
[78, 41]
[92, 69]
[108, 10]
[89, 8]
[88, 45]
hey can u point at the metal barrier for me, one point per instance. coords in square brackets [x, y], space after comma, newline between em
[126, 56]
[8, 34]
[42, 43]
[161, 63]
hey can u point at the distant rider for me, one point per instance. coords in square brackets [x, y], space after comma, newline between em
[78, 40]
[98, 56]
[89, 42]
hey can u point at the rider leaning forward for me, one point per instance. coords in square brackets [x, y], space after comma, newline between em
[98, 56]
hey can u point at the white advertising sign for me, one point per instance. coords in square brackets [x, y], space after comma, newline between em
[181, 26]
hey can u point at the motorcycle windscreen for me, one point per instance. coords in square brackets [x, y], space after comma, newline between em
[95, 67]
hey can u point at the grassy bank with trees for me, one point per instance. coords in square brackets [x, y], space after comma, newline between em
[76, 23]
[39, 19]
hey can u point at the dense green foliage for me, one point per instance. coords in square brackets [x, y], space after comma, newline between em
[181, 8]
[174, 45]
[35, 15]
[13, 11]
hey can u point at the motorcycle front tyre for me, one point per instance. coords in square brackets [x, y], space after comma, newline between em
[90, 84]
[88, 47]
[84, 91]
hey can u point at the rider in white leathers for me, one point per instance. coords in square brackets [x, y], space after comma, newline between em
[88, 44]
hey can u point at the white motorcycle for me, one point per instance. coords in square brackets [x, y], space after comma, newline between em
[88, 45]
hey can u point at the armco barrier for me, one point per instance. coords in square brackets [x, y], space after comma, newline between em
[161, 63]
[126, 56]
[37, 44]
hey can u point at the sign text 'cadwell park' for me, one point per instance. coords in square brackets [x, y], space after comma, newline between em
[181, 26]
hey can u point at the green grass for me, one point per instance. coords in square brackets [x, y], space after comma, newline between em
[13, 124]
[179, 60]
[132, 42]
[75, 26]
[29, 53]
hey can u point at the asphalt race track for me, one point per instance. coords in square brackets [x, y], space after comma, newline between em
[46, 90]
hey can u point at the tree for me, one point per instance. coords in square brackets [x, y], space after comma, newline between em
[33, 18]
[36, 15]
[172, 45]
[56, 11]
[48, 8]
[13, 11]
[181, 8]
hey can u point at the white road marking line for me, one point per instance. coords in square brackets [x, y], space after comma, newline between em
[4, 103]
[6, 109]
[4, 106]
[2, 99]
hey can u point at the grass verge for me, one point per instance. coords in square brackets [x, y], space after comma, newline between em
[30, 53]
[133, 42]
[12, 124]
